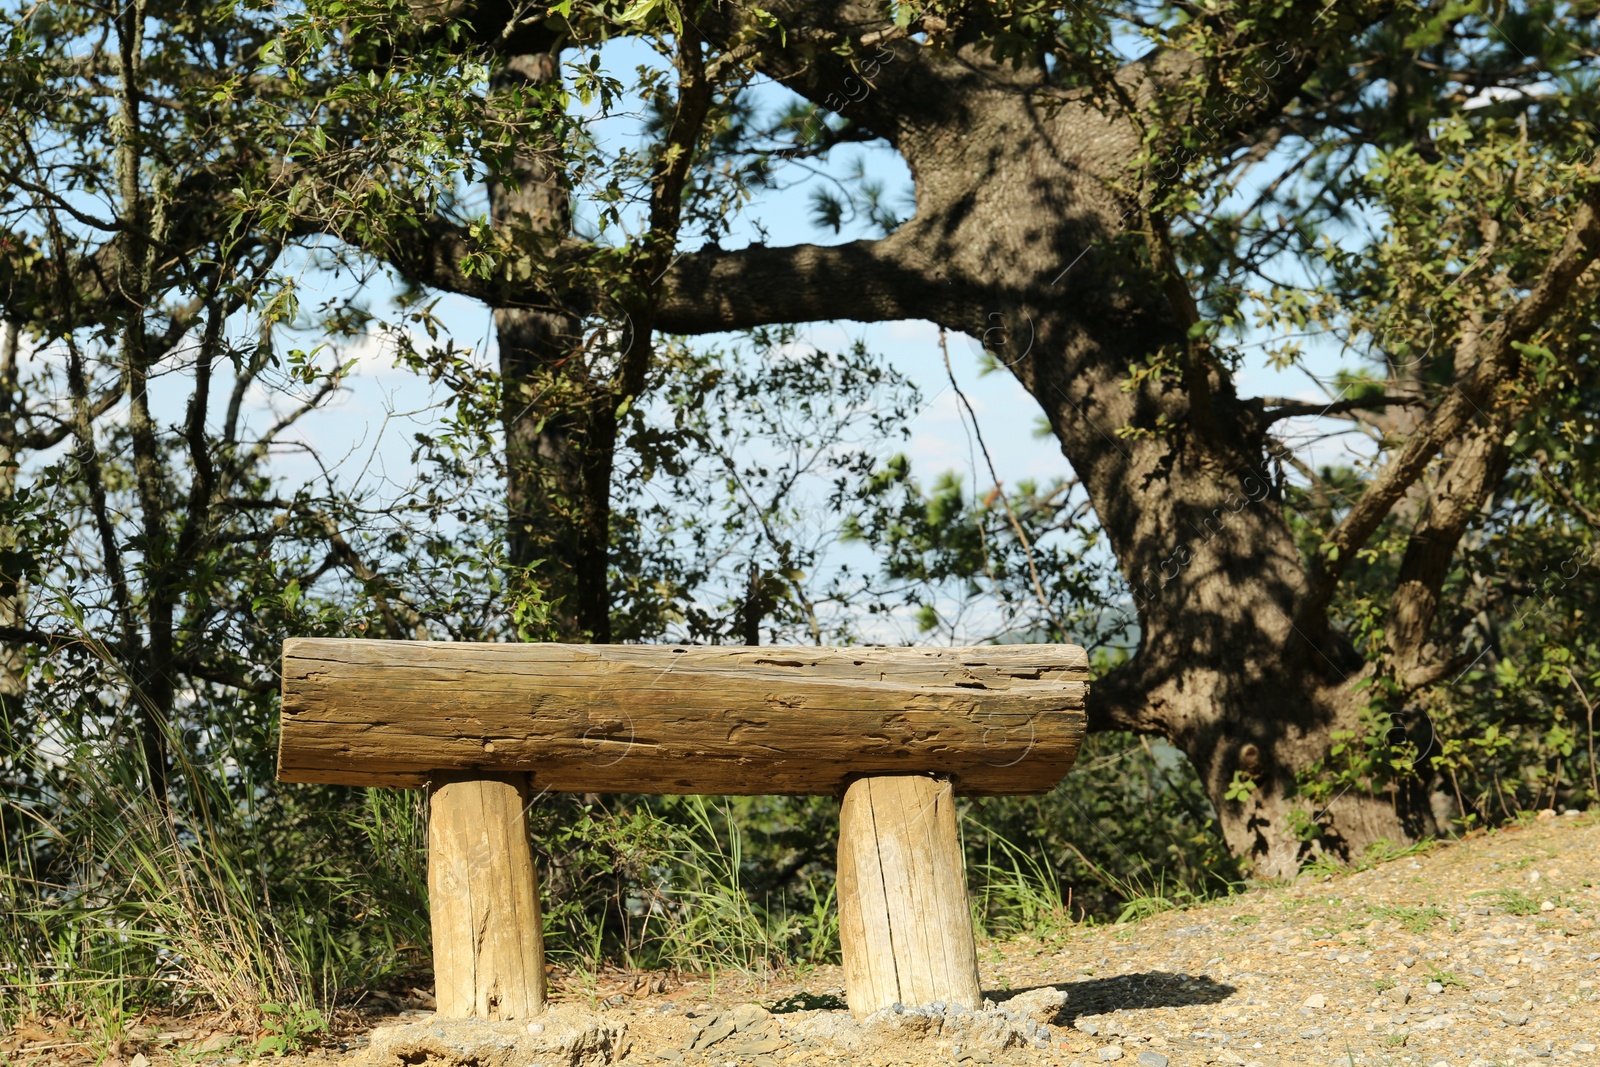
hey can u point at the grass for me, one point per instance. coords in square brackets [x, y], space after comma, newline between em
[1445, 978]
[255, 903]
[1381, 851]
[161, 912]
[1512, 901]
[1417, 920]
[708, 922]
[1016, 893]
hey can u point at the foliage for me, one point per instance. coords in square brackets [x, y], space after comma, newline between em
[1508, 731]
[1128, 831]
[1026, 564]
[731, 477]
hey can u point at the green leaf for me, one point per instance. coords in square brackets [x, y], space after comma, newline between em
[639, 10]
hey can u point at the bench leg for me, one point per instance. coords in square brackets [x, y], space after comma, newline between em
[483, 896]
[905, 927]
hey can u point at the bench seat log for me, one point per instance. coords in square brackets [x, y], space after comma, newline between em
[997, 720]
[897, 733]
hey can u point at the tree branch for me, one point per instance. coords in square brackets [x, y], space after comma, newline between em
[1473, 472]
[1279, 408]
[1492, 359]
[712, 290]
[401, 620]
[1567, 496]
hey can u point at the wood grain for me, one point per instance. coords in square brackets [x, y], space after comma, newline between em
[905, 928]
[995, 720]
[483, 896]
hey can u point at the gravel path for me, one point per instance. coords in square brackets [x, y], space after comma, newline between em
[1478, 953]
[1482, 952]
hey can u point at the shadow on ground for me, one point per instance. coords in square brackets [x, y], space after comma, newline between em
[1148, 989]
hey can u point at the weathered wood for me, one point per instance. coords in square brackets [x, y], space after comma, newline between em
[996, 720]
[483, 895]
[905, 927]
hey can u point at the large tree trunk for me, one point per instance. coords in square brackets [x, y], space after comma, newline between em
[1179, 470]
[1024, 238]
[559, 427]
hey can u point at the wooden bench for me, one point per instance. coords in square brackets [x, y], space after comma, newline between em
[896, 733]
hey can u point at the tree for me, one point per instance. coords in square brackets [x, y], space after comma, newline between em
[1079, 181]
[141, 309]
[153, 557]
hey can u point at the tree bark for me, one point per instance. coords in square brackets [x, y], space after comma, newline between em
[558, 460]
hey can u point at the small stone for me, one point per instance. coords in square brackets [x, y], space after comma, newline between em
[1040, 1005]
[1408, 962]
[536, 1028]
[757, 1048]
[1438, 1022]
[1546, 813]
[1515, 1018]
[895, 1019]
[1152, 1059]
[571, 1035]
[1086, 1026]
[1548, 905]
[1315, 1001]
[1434, 987]
[746, 1016]
[829, 1028]
[1110, 1052]
[716, 1030]
[139, 1060]
[1585, 1046]
[1399, 995]
[1488, 996]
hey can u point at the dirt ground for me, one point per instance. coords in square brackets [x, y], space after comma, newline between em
[1476, 953]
